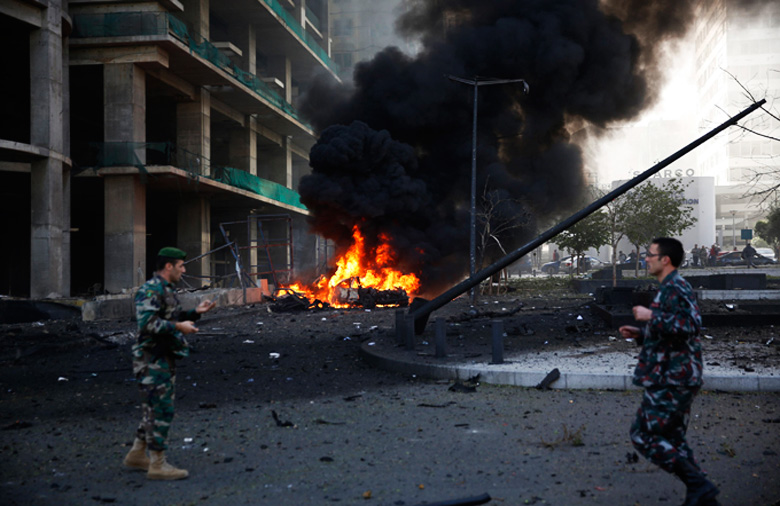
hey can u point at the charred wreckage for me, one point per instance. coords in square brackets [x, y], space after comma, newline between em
[347, 293]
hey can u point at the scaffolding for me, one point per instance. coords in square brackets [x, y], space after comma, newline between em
[268, 253]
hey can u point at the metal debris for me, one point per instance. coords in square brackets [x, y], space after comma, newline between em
[293, 301]
[280, 423]
[468, 386]
[548, 380]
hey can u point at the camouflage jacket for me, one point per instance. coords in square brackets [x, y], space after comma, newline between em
[157, 310]
[671, 346]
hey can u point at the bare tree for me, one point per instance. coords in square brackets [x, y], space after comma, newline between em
[499, 217]
[764, 181]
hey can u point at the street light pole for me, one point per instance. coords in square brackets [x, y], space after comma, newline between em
[476, 83]
[733, 230]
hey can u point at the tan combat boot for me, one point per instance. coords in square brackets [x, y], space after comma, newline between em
[159, 469]
[136, 458]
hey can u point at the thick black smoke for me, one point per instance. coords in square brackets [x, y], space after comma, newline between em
[405, 167]
[365, 177]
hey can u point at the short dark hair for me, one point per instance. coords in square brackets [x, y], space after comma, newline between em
[162, 260]
[671, 248]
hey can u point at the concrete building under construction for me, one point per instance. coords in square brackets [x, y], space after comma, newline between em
[129, 126]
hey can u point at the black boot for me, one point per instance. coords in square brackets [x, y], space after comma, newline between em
[700, 491]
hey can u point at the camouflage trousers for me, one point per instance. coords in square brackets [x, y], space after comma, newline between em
[156, 377]
[658, 432]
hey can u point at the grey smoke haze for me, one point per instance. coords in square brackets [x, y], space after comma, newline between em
[395, 150]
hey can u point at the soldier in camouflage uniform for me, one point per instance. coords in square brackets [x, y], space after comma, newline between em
[670, 370]
[161, 329]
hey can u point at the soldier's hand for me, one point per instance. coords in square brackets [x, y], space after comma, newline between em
[186, 327]
[205, 306]
[629, 331]
[642, 313]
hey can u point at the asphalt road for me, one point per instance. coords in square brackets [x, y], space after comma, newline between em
[359, 435]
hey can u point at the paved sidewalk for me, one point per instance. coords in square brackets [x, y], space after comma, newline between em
[606, 366]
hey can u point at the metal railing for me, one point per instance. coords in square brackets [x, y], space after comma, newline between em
[138, 154]
[313, 19]
[130, 24]
[142, 154]
[296, 27]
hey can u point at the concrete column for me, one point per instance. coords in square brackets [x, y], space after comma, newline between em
[252, 134]
[193, 134]
[124, 113]
[125, 232]
[246, 38]
[280, 67]
[196, 15]
[300, 11]
[66, 173]
[66, 240]
[278, 166]
[243, 147]
[46, 245]
[255, 253]
[325, 28]
[46, 130]
[194, 234]
[288, 162]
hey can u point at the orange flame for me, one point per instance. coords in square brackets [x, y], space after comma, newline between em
[373, 269]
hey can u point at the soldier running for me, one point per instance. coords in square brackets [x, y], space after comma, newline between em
[161, 328]
[670, 370]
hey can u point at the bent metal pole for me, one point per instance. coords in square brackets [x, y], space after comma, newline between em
[420, 312]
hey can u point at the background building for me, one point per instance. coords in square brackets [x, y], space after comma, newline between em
[737, 48]
[731, 44]
[35, 163]
[129, 126]
[360, 29]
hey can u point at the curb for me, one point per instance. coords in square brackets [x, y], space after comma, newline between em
[567, 380]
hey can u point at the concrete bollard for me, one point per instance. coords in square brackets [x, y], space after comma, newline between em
[400, 327]
[497, 329]
[409, 334]
[441, 337]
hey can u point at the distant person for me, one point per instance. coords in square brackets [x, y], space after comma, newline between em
[670, 370]
[161, 328]
[714, 250]
[622, 257]
[695, 255]
[703, 255]
[747, 255]
[555, 255]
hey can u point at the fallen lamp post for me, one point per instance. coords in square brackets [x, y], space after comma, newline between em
[420, 309]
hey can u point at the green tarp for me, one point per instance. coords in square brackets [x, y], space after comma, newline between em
[247, 181]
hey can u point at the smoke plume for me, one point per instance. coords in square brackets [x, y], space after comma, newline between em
[395, 149]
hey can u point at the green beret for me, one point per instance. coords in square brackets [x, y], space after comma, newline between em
[174, 253]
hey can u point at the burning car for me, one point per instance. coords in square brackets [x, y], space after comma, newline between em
[349, 292]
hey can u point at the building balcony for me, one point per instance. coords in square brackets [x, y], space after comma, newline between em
[161, 41]
[282, 30]
[167, 167]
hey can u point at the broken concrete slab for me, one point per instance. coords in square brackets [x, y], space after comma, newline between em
[122, 306]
